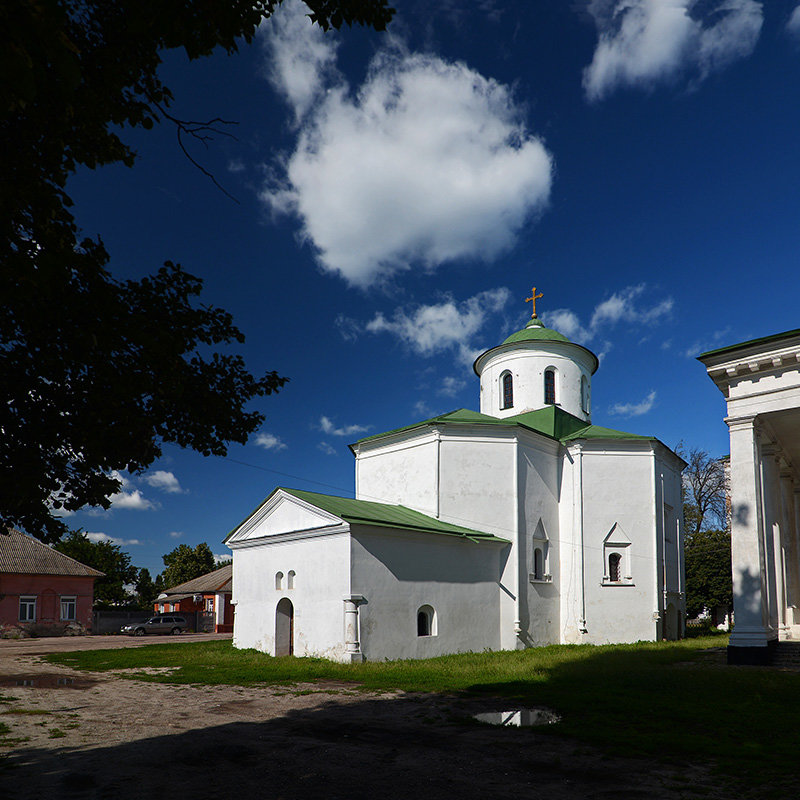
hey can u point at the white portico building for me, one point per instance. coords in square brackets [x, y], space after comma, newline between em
[761, 383]
[520, 525]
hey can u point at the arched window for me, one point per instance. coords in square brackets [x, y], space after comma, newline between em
[613, 567]
[584, 394]
[426, 621]
[279, 580]
[507, 382]
[290, 579]
[550, 387]
[538, 564]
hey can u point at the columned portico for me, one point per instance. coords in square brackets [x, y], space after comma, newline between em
[761, 383]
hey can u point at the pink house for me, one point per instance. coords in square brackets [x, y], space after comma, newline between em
[41, 588]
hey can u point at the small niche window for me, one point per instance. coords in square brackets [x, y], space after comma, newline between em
[68, 608]
[290, 579]
[550, 387]
[507, 384]
[584, 394]
[279, 580]
[538, 564]
[617, 558]
[614, 560]
[27, 609]
[426, 621]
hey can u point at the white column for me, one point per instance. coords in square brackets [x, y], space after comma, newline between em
[747, 538]
[771, 499]
[219, 607]
[351, 629]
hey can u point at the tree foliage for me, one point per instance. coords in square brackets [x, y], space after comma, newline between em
[709, 580]
[98, 373]
[109, 558]
[185, 563]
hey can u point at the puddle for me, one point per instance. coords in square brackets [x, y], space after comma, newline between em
[519, 718]
[46, 681]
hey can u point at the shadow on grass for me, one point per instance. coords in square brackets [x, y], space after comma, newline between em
[671, 703]
[358, 749]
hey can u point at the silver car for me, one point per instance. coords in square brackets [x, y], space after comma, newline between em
[159, 624]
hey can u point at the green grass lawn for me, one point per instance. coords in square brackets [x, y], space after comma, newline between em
[670, 700]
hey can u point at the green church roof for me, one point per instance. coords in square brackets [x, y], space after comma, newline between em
[386, 515]
[536, 331]
[551, 421]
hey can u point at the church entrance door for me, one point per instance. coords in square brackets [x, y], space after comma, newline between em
[284, 628]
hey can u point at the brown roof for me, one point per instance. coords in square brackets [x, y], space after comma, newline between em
[217, 581]
[23, 554]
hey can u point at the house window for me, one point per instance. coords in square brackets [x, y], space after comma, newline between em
[209, 605]
[290, 579]
[550, 387]
[68, 608]
[426, 621]
[613, 567]
[508, 390]
[27, 609]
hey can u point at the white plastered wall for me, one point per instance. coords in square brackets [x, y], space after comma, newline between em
[398, 572]
[538, 475]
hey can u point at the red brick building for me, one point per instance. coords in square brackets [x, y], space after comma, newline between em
[210, 594]
[43, 589]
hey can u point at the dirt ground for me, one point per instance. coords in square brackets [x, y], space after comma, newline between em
[102, 737]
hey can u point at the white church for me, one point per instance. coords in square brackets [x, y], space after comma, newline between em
[518, 526]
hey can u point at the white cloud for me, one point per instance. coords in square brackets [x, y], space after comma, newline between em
[176, 534]
[163, 480]
[327, 449]
[426, 162]
[430, 329]
[327, 426]
[270, 442]
[450, 386]
[623, 306]
[793, 25]
[644, 42]
[132, 501]
[634, 409]
[102, 537]
[218, 557]
[423, 409]
[716, 339]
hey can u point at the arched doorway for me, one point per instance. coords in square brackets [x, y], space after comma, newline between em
[284, 628]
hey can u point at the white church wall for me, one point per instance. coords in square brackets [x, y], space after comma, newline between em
[619, 505]
[478, 489]
[403, 471]
[398, 573]
[527, 367]
[321, 567]
[539, 528]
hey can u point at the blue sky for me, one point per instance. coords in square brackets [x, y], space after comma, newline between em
[400, 193]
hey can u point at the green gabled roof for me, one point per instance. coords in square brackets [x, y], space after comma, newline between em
[776, 337]
[598, 432]
[386, 515]
[551, 421]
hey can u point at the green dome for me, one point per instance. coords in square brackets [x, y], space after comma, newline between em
[536, 331]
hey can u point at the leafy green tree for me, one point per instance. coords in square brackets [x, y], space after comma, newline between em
[96, 373]
[146, 591]
[709, 581]
[185, 563]
[110, 559]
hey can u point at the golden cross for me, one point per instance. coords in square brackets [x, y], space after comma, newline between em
[532, 299]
